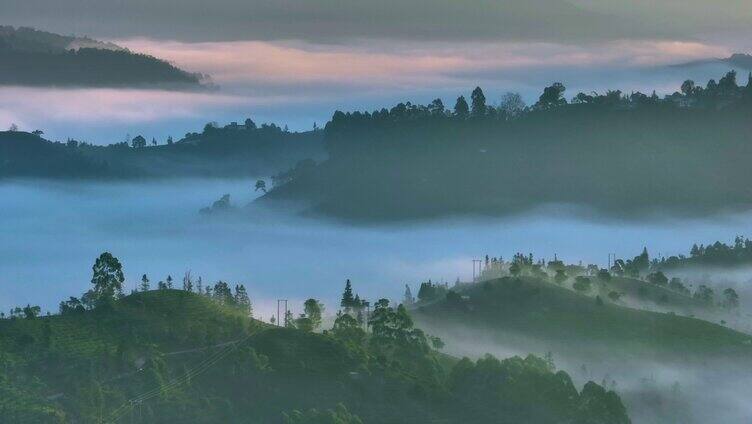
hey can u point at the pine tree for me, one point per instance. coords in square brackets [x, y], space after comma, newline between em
[348, 300]
[289, 320]
[169, 281]
[187, 282]
[144, 283]
[242, 300]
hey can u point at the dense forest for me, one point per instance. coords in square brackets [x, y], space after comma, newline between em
[194, 353]
[37, 58]
[624, 154]
[232, 150]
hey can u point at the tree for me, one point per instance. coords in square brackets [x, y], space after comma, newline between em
[144, 283]
[515, 269]
[289, 320]
[249, 124]
[553, 96]
[138, 142]
[581, 284]
[313, 311]
[436, 108]
[38, 133]
[478, 100]
[347, 329]
[688, 88]
[31, 312]
[657, 278]
[512, 105]
[242, 300]
[187, 282]
[730, 298]
[107, 278]
[169, 140]
[13, 128]
[603, 275]
[169, 282]
[340, 415]
[348, 299]
[261, 185]
[704, 294]
[72, 305]
[560, 277]
[223, 294]
[461, 109]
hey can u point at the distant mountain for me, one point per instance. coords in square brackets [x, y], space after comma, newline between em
[738, 60]
[232, 151]
[29, 57]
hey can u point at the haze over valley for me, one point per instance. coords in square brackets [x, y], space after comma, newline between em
[364, 213]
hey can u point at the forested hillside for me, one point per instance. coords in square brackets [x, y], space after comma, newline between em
[195, 355]
[229, 151]
[621, 154]
[37, 58]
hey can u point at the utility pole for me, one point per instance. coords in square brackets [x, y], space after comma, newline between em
[278, 302]
[479, 267]
[610, 255]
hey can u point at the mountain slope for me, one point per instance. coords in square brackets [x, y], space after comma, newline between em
[173, 356]
[572, 322]
[35, 58]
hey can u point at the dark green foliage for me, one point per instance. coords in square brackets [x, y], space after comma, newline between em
[704, 294]
[348, 300]
[582, 284]
[730, 298]
[314, 311]
[568, 320]
[657, 278]
[411, 163]
[340, 415]
[29, 57]
[228, 151]
[431, 291]
[107, 278]
[716, 254]
[531, 391]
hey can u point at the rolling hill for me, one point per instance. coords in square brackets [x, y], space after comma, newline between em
[175, 356]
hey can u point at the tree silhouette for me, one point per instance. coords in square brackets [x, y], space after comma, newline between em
[478, 100]
[461, 109]
[107, 278]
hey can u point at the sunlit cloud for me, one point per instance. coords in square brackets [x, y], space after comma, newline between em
[410, 64]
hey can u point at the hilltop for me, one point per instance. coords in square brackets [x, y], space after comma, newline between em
[572, 322]
[30, 57]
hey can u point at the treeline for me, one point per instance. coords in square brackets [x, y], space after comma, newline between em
[232, 150]
[592, 279]
[717, 254]
[622, 154]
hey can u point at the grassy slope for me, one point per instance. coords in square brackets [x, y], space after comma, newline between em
[569, 320]
[274, 370]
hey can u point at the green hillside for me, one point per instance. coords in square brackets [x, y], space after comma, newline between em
[175, 356]
[574, 323]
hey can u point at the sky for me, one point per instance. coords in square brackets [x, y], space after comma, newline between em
[296, 62]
